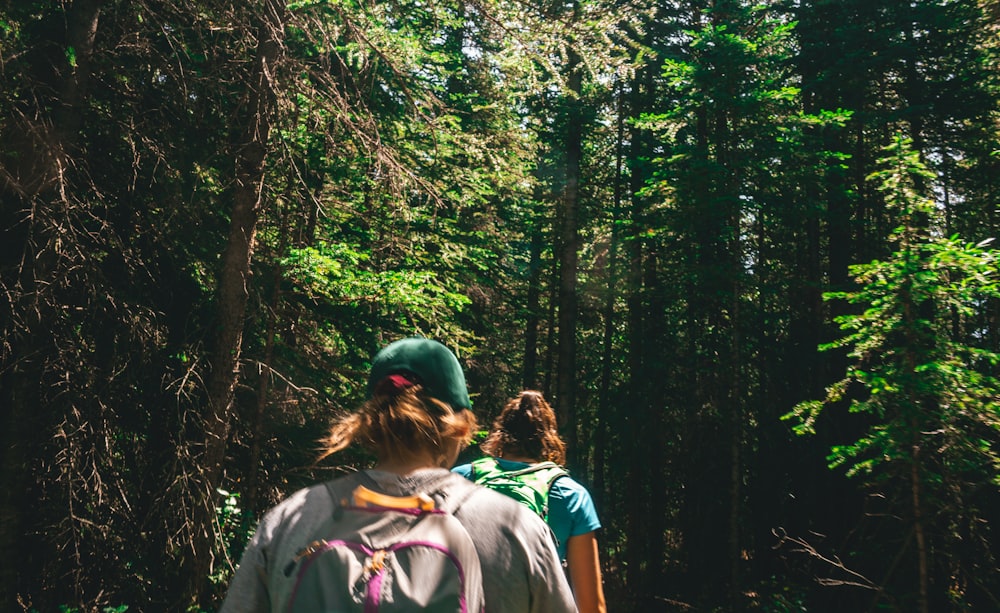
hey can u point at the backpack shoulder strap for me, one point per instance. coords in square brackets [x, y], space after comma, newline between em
[540, 477]
[484, 468]
[557, 471]
[488, 467]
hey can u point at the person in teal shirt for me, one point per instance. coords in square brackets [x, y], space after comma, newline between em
[524, 434]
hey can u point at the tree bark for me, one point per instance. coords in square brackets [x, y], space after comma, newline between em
[635, 416]
[923, 579]
[568, 264]
[83, 18]
[532, 306]
[265, 375]
[233, 285]
[604, 406]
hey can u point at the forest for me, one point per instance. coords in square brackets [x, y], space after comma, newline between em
[743, 247]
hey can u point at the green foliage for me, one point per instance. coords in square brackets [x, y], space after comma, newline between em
[920, 377]
[416, 159]
[68, 609]
[778, 596]
[235, 527]
[920, 380]
[335, 274]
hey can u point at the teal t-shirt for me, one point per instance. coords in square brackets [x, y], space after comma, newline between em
[571, 509]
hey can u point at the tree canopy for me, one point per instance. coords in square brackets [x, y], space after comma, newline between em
[701, 228]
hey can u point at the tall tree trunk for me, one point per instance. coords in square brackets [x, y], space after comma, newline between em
[533, 305]
[729, 262]
[569, 247]
[912, 312]
[303, 236]
[265, 375]
[234, 283]
[654, 399]
[637, 521]
[923, 576]
[736, 428]
[604, 401]
[83, 19]
[550, 330]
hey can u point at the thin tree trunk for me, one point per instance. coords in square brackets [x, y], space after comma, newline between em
[532, 306]
[83, 20]
[736, 436]
[923, 602]
[915, 404]
[637, 518]
[263, 397]
[304, 236]
[234, 277]
[550, 331]
[569, 246]
[234, 282]
[604, 406]
[635, 418]
[726, 126]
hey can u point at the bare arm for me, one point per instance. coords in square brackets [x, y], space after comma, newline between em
[585, 573]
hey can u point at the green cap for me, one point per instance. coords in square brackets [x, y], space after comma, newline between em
[433, 363]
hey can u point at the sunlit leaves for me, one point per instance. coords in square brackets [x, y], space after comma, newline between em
[336, 274]
[921, 380]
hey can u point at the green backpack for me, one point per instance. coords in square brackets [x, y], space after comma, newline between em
[529, 486]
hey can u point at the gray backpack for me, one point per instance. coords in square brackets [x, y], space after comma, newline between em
[383, 553]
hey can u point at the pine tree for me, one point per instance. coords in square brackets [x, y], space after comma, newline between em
[929, 394]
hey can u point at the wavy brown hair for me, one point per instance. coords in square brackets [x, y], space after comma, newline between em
[397, 424]
[526, 427]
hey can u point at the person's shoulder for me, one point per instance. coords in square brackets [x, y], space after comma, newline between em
[463, 469]
[311, 500]
[567, 486]
[494, 520]
[570, 494]
[299, 497]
